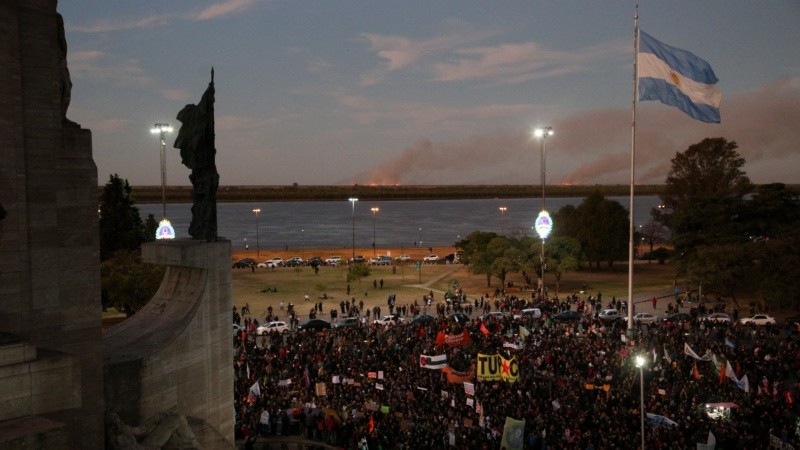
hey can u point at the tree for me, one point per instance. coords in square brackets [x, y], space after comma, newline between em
[652, 233]
[150, 227]
[506, 257]
[127, 283]
[475, 255]
[599, 224]
[563, 255]
[357, 271]
[703, 198]
[121, 225]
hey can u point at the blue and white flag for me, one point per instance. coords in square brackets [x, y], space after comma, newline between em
[677, 78]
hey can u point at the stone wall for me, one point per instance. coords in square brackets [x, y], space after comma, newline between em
[49, 240]
[176, 353]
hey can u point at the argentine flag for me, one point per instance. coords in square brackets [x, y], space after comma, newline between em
[677, 78]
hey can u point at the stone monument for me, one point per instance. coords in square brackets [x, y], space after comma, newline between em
[51, 379]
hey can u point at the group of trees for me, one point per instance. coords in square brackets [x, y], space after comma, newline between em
[126, 282]
[729, 236]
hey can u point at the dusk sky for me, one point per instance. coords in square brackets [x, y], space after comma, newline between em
[426, 92]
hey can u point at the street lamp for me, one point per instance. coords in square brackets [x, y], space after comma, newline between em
[353, 200]
[420, 237]
[543, 222]
[639, 360]
[258, 244]
[374, 210]
[503, 210]
[162, 129]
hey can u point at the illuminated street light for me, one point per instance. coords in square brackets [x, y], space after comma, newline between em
[164, 230]
[162, 129]
[353, 200]
[374, 210]
[258, 244]
[639, 360]
[503, 210]
[544, 223]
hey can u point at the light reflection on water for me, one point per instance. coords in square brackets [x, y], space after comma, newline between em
[399, 223]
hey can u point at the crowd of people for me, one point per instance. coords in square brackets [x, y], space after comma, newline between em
[577, 387]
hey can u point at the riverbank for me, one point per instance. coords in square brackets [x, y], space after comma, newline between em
[182, 194]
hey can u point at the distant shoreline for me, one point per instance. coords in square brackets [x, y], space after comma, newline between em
[293, 193]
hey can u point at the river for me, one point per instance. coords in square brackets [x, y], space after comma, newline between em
[397, 223]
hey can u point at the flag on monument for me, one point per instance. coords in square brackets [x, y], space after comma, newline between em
[433, 362]
[677, 78]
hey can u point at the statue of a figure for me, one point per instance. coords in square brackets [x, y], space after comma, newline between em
[196, 143]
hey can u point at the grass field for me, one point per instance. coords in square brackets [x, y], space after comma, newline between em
[409, 284]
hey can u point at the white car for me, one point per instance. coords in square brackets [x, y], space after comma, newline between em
[333, 260]
[758, 319]
[498, 315]
[431, 258]
[389, 319]
[644, 317]
[403, 258]
[717, 317]
[267, 264]
[609, 314]
[529, 312]
[276, 261]
[277, 326]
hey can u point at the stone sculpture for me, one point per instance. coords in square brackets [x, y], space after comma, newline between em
[196, 143]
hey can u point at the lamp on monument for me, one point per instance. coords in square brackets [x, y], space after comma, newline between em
[164, 230]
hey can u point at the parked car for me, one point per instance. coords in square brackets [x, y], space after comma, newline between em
[269, 264]
[244, 263]
[677, 317]
[315, 324]
[431, 258]
[237, 328]
[423, 319]
[567, 316]
[276, 326]
[389, 319]
[460, 318]
[497, 315]
[293, 263]
[609, 314]
[375, 261]
[357, 259]
[717, 317]
[529, 313]
[758, 319]
[333, 260]
[347, 322]
[386, 261]
[315, 261]
[277, 261]
[298, 259]
[644, 317]
[403, 258]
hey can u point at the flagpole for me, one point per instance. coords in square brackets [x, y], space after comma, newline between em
[633, 167]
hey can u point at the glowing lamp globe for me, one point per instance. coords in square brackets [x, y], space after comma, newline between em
[544, 224]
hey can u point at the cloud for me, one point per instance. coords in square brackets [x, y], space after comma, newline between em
[154, 21]
[515, 63]
[397, 52]
[224, 8]
[593, 147]
[100, 66]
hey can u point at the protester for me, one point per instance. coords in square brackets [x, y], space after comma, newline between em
[577, 387]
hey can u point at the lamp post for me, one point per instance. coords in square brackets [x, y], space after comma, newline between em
[258, 244]
[162, 129]
[353, 200]
[503, 210]
[640, 364]
[374, 210]
[420, 237]
[543, 222]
